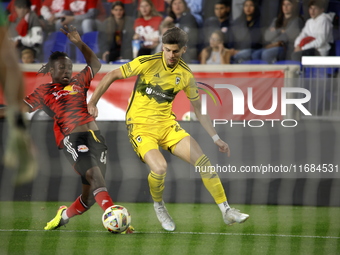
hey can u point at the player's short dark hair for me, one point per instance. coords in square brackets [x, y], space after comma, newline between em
[175, 35]
[53, 57]
[23, 4]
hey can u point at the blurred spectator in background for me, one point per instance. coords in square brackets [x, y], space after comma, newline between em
[147, 27]
[12, 15]
[167, 5]
[215, 53]
[195, 7]
[245, 34]
[280, 36]
[27, 56]
[316, 35]
[180, 15]
[160, 6]
[162, 29]
[130, 7]
[29, 31]
[305, 7]
[237, 7]
[270, 10]
[116, 35]
[208, 7]
[220, 20]
[82, 14]
[51, 11]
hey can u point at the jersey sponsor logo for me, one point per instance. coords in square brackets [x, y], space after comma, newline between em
[178, 79]
[148, 91]
[156, 92]
[159, 94]
[83, 148]
[68, 90]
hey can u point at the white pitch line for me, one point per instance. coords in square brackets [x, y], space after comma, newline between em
[179, 233]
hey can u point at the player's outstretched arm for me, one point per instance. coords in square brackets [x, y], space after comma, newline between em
[90, 57]
[207, 125]
[103, 85]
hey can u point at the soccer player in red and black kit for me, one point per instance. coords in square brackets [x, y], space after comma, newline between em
[76, 132]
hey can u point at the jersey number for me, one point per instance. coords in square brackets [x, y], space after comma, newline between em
[103, 157]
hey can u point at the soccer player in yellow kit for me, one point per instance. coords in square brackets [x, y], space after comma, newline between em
[151, 122]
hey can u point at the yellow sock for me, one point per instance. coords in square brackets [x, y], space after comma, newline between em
[156, 184]
[211, 180]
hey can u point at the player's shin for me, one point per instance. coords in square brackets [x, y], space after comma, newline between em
[156, 184]
[102, 198]
[211, 179]
[78, 207]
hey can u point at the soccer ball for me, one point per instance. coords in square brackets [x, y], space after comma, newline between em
[116, 219]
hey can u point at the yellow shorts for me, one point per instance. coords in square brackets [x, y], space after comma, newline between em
[145, 137]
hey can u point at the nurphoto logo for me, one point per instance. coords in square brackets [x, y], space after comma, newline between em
[298, 97]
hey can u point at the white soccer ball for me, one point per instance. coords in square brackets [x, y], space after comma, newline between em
[116, 219]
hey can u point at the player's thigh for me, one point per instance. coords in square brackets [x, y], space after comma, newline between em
[84, 152]
[156, 161]
[188, 150]
[98, 150]
[171, 134]
[142, 139]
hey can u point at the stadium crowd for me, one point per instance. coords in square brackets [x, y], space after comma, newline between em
[220, 31]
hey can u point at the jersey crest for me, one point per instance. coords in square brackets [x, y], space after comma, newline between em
[178, 79]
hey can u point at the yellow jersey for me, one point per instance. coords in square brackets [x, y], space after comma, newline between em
[156, 87]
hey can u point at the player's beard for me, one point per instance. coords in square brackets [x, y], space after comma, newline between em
[172, 62]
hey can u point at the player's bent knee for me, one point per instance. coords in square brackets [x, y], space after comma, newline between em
[95, 177]
[160, 169]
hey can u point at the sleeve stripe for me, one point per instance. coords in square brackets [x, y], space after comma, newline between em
[194, 98]
[122, 68]
[150, 57]
[143, 60]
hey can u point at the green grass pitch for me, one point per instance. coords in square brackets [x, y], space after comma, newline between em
[199, 230]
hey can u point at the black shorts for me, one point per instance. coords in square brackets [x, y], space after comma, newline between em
[85, 150]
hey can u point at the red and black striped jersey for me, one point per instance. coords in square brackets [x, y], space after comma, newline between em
[65, 104]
